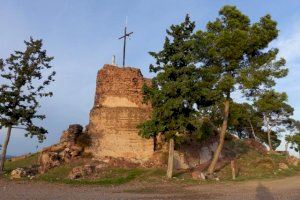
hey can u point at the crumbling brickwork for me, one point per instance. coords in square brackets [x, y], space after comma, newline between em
[117, 111]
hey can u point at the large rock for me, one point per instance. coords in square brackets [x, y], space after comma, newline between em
[292, 160]
[71, 134]
[198, 175]
[18, 173]
[63, 152]
[81, 171]
[48, 160]
[283, 166]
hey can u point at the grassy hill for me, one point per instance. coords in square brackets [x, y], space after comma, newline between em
[251, 164]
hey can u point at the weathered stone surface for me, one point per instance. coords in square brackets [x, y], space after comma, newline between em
[194, 155]
[283, 166]
[292, 160]
[252, 143]
[81, 171]
[62, 152]
[198, 175]
[117, 111]
[72, 133]
[47, 161]
[18, 173]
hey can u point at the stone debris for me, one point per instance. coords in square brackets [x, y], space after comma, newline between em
[71, 134]
[28, 172]
[292, 160]
[18, 173]
[81, 171]
[283, 166]
[64, 152]
[198, 175]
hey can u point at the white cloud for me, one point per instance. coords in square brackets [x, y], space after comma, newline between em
[289, 43]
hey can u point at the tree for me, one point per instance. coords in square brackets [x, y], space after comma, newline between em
[173, 93]
[244, 121]
[235, 53]
[276, 112]
[294, 139]
[24, 77]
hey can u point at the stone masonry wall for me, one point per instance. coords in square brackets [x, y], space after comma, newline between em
[117, 111]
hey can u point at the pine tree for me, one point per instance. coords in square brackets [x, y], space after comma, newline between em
[236, 54]
[24, 80]
[173, 93]
[276, 113]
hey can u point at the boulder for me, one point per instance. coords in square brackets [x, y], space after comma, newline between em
[18, 173]
[292, 160]
[70, 135]
[100, 167]
[283, 166]
[198, 175]
[48, 160]
[76, 172]
[62, 152]
[81, 171]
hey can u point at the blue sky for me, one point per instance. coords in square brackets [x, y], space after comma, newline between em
[82, 36]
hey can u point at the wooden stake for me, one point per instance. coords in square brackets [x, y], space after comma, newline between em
[233, 168]
[170, 159]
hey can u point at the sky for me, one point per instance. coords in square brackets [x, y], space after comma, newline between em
[83, 35]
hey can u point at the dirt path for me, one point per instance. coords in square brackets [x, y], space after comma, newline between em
[287, 188]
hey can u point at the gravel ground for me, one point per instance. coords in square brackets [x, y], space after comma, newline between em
[287, 188]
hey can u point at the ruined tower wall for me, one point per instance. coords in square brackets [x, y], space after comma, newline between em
[117, 111]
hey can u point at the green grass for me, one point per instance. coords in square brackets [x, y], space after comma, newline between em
[114, 176]
[251, 165]
[23, 163]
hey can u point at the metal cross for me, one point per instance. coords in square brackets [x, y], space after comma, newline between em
[125, 37]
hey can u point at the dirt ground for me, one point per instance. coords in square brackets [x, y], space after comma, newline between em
[286, 188]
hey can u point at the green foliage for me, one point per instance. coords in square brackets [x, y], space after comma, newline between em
[174, 91]
[235, 53]
[198, 71]
[23, 82]
[294, 139]
[275, 110]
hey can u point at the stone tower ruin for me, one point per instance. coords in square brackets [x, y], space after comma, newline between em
[117, 111]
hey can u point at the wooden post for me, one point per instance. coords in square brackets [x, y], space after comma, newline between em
[233, 168]
[170, 159]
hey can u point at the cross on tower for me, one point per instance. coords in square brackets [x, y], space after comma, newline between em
[125, 37]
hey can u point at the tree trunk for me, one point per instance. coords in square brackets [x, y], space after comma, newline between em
[217, 153]
[252, 130]
[286, 147]
[269, 141]
[269, 135]
[4, 149]
[170, 159]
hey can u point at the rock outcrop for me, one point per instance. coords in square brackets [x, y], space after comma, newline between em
[117, 111]
[63, 152]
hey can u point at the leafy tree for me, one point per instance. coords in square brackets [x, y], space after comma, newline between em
[24, 79]
[235, 54]
[173, 93]
[276, 113]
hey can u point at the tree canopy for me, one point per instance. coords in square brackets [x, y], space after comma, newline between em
[25, 76]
